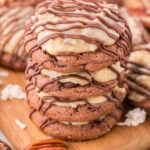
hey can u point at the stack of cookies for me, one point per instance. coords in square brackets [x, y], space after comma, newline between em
[139, 77]
[76, 73]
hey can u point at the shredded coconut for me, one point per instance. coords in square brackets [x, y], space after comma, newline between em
[4, 74]
[134, 117]
[1, 82]
[12, 92]
[20, 124]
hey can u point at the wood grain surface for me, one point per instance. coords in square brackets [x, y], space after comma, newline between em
[120, 138]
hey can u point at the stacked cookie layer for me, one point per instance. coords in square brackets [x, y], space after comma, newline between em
[139, 77]
[12, 23]
[76, 78]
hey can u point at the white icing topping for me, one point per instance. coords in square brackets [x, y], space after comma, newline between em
[79, 123]
[102, 75]
[58, 45]
[141, 57]
[91, 100]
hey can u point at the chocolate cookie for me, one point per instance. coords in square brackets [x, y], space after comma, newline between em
[12, 23]
[76, 131]
[70, 45]
[139, 77]
[73, 110]
[139, 33]
[139, 8]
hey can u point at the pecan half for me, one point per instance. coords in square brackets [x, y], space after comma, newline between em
[48, 144]
[4, 146]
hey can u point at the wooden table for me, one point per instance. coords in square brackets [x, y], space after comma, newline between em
[120, 138]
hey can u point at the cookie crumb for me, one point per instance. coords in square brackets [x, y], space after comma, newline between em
[4, 74]
[20, 124]
[11, 92]
[134, 117]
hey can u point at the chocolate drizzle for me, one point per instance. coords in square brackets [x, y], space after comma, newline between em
[34, 69]
[111, 23]
[15, 19]
[136, 68]
[49, 121]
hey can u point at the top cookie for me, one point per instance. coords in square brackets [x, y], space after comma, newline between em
[77, 27]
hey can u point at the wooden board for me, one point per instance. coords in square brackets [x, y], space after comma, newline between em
[120, 138]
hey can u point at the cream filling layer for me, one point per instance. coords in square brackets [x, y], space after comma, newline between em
[103, 75]
[12, 29]
[91, 100]
[79, 123]
[140, 57]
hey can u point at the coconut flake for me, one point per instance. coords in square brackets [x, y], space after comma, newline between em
[134, 117]
[20, 124]
[12, 92]
[4, 74]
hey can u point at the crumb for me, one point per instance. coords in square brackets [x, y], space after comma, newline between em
[4, 74]
[12, 92]
[134, 117]
[20, 124]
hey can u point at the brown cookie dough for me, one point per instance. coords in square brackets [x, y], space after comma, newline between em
[12, 23]
[139, 77]
[81, 111]
[76, 132]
